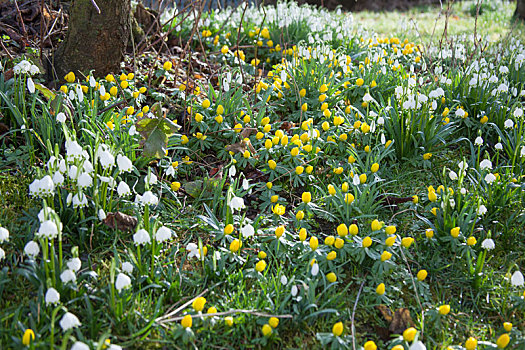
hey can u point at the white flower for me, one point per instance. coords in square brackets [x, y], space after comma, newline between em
[518, 112]
[73, 172]
[92, 81]
[74, 264]
[69, 321]
[58, 179]
[124, 164]
[488, 244]
[123, 189]
[52, 296]
[148, 198]
[315, 269]
[453, 176]
[150, 179]
[418, 346]
[101, 214]
[482, 210]
[127, 267]
[34, 70]
[47, 229]
[485, 164]
[107, 160]
[517, 279]
[88, 167]
[115, 347]
[490, 178]
[85, 180]
[509, 124]
[79, 200]
[80, 346]
[522, 152]
[2, 254]
[247, 231]
[368, 98]
[245, 184]
[478, 141]
[68, 276]
[356, 181]
[133, 130]
[463, 165]
[73, 150]
[294, 291]
[236, 203]
[193, 250]
[4, 235]
[30, 85]
[463, 191]
[498, 146]
[61, 117]
[123, 281]
[141, 237]
[163, 234]
[32, 249]
[284, 280]
[232, 171]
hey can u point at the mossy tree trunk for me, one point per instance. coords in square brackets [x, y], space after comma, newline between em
[520, 10]
[94, 41]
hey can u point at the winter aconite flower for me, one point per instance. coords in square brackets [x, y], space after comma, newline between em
[471, 343]
[338, 329]
[198, 304]
[380, 289]
[266, 330]
[444, 309]
[370, 345]
[409, 334]
[28, 337]
[503, 340]
[186, 321]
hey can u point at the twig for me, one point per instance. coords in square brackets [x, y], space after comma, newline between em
[225, 313]
[5, 49]
[355, 307]
[239, 38]
[179, 309]
[21, 22]
[96, 6]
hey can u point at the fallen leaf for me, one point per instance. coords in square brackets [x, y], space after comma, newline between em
[121, 221]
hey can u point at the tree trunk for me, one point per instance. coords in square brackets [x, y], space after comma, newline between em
[520, 10]
[94, 41]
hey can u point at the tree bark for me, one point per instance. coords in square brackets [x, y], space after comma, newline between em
[520, 10]
[94, 41]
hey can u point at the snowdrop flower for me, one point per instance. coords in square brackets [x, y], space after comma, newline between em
[284, 280]
[52, 296]
[80, 93]
[107, 160]
[150, 179]
[488, 244]
[132, 130]
[32, 249]
[509, 124]
[247, 231]
[498, 146]
[236, 203]
[193, 250]
[482, 210]
[485, 164]
[34, 70]
[80, 346]
[101, 214]
[418, 346]
[141, 237]
[92, 81]
[73, 172]
[163, 234]
[368, 98]
[315, 269]
[356, 181]
[380, 120]
[4, 235]
[245, 184]
[79, 200]
[122, 282]
[148, 198]
[30, 85]
[69, 321]
[124, 164]
[490, 178]
[68, 276]
[518, 112]
[460, 113]
[463, 166]
[517, 279]
[232, 171]
[478, 141]
[452, 175]
[2, 254]
[85, 180]
[58, 179]
[74, 264]
[123, 189]
[73, 151]
[127, 267]
[47, 229]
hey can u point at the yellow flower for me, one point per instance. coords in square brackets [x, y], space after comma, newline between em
[444, 309]
[124, 84]
[323, 88]
[331, 189]
[300, 215]
[262, 255]
[471, 240]
[454, 232]
[380, 289]
[398, 347]
[212, 310]
[228, 229]
[302, 93]
[304, 107]
[314, 243]
[367, 242]
[260, 266]
[331, 277]
[339, 243]
[370, 345]
[359, 82]
[331, 256]
[503, 341]
[130, 110]
[376, 225]
[386, 256]
[306, 197]
[266, 330]
[415, 199]
[167, 65]
[432, 196]
[375, 167]
[471, 343]
[329, 241]
[390, 241]
[130, 76]
[70, 77]
[184, 139]
[373, 84]
[427, 156]
[507, 326]
[337, 329]
[422, 274]
[186, 321]
[274, 198]
[407, 242]
[273, 322]
[279, 231]
[235, 245]
[409, 334]
[110, 78]
[229, 321]
[342, 230]
[390, 230]
[198, 304]
[302, 234]
[29, 335]
[175, 185]
[224, 49]
[246, 154]
[279, 209]
[113, 91]
[353, 229]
